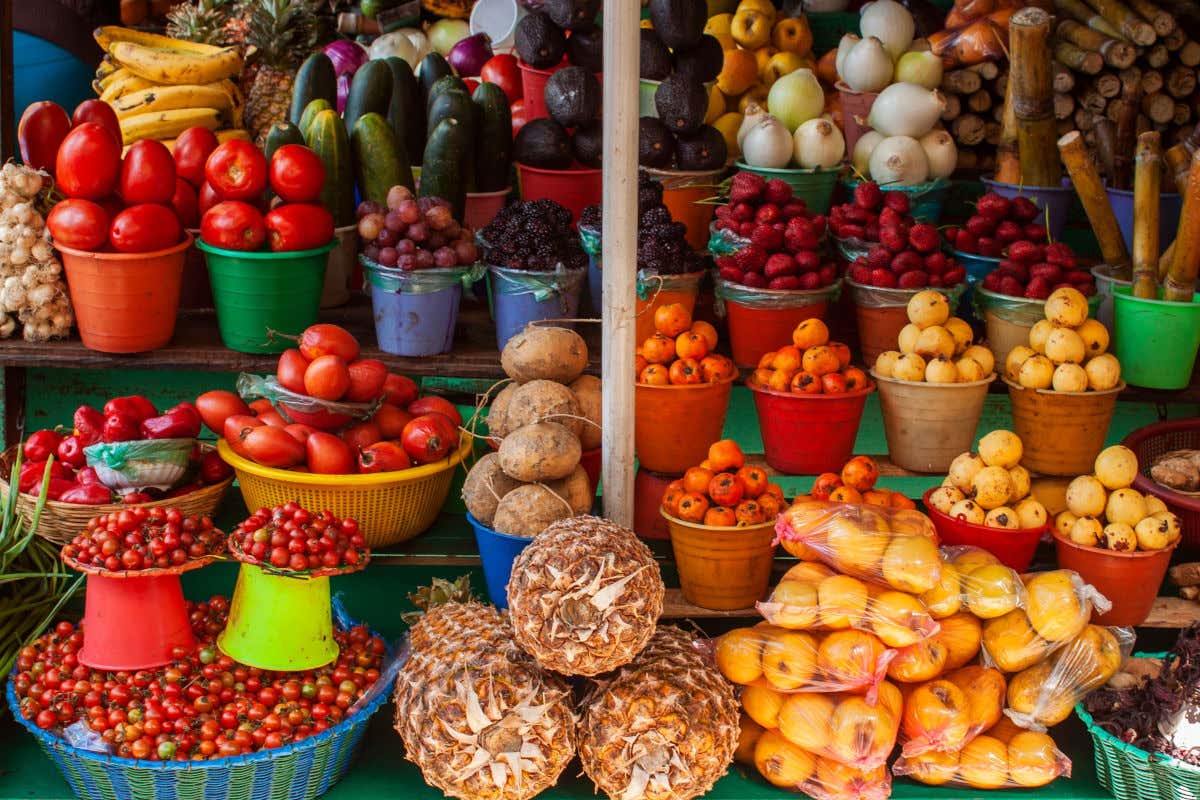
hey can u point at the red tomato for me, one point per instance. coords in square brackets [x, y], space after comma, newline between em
[383, 457]
[290, 372]
[41, 130]
[207, 198]
[78, 223]
[261, 406]
[399, 390]
[186, 204]
[362, 434]
[272, 418]
[437, 405]
[145, 228]
[147, 173]
[273, 447]
[518, 116]
[99, 112]
[326, 378]
[429, 438]
[391, 421]
[329, 455]
[235, 429]
[366, 380]
[233, 225]
[237, 170]
[219, 405]
[297, 174]
[88, 162]
[503, 71]
[192, 149]
[325, 339]
[299, 226]
[300, 432]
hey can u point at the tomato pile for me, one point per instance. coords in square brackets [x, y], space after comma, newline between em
[812, 364]
[203, 705]
[141, 538]
[414, 233]
[856, 484]
[681, 351]
[723, 491]
[291, 538]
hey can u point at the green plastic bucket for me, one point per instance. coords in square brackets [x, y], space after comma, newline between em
[282, 623]
[813, 186]
[1156, 340]
[261, 291]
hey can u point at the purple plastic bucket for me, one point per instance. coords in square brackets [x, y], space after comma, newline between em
[595, 282]
[1170, 206]
[515, 304]
[1056, 200]
[412, 319]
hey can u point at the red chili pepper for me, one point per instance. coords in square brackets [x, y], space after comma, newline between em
[41, 445]
[178, 423]
[56, 489]
[87, 475]
[87, 494]
[186, 489]
[192, 412]
[30, 475]
[89, 425]
[120, 427]
[213, 468]
[133, 498]
[135, 406]
[70, 451]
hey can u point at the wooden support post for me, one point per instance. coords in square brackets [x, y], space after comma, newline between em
[1033, 97]
[1095, 201]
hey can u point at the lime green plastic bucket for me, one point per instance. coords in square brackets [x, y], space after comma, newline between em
[813, 186]
[279, 622]
[1156, 340]
[261, 291]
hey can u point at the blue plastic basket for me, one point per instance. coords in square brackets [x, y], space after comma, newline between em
[497, 552]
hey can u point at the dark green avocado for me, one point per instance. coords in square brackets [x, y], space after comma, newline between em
[654, 59]
[539, 42]
[588, 143]
[679, 23]
[573, 96]
[656, 145]
[701, 63]
[572, 15]
[543, 143]
[704, 149]
[681, 103]
[586, 49]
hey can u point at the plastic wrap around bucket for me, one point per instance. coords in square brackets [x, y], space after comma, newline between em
[482, 207]
[646, 90]
[928, 424]
[1105, 282]
[762, 320]
[278, 622]
[724, 569]
[575, 189]
[412, 320]
[673, 426]
[194, 291]
[515, 304]
[340, 267]
[807, 434]
[684, 194]
[259, 292]
[813, 186]
[1015, 549]
[114, 644]
[1129, 580]
[648, 490]
[925, 200]
[1008, 320]
[1170, 206]
[1063, 432]
[880, 314]
[977, 268]
[497, 552]
[1155, 340]
[856, 108]
[125, 302]
[1055, 200]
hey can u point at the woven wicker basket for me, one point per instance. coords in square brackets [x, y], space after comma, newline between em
[1148, 444]
[62, 521]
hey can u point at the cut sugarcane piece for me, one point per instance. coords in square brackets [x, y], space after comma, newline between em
[1147, 192]
[1180, 283]
[1031, 84]
[1095, 202]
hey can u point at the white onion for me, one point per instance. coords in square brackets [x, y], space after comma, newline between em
[919, 46]
[845, 45]
[867, 67]
[796, 98]
[861, 157]
[891, 23]
[920, 67]
[818, 143]
[906, 109]
[767, 144]
[899, 161]
[941, 153]
[754, 113]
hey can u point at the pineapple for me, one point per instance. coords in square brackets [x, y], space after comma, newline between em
[663, 727]
[584, 596]
[204, 21]
[282, 33]
[477, 715]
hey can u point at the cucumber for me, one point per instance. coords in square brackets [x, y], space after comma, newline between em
[315, 80]
[446, 152]
[493, 138]
[327, 137]
[451, 103]
[380, 161]
[281, 133]
[444, 84]
[370, 90]
[311, 110]
[432, 67]
[406, 112]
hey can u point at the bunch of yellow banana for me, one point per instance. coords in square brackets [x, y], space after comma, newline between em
[160, 86]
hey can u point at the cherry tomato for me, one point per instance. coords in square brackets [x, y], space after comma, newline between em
[237, 170]
[383, 457]
[329, 455]
[88, 162]
[327, 378]
[299, 226]
[186, 204]
[290, 371]
[367, 376]
[218, 405]
[213, 468]
[207, 197]
[41, 130]
[192, 149]
[429, 438]
[273, 447]
[503, 71]
[145, 228]
[233, 225]
[99, 112]
[391, 421]
[439, 405]
[78, 223]
[362, 434]
[297, 174]
[325, 339]
[399, 390]
[518, 116]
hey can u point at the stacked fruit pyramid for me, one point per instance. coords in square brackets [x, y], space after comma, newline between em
[878, 638]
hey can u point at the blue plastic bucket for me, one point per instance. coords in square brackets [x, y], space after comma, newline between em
[1055, 200]
[977, 267]
[595, 281]
[1170, 206]
[415, 324]
[515, 303]
[497, 551]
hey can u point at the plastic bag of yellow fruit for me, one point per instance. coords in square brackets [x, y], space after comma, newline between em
[788, 766]
[973, 580]
[955, 645]
[945, 714]
[887, 546]
[1006, 757]
[779, 661]
[811, 596]
[1044, 694]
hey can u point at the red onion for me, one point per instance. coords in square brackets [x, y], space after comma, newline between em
[347, 57]
[468, 56]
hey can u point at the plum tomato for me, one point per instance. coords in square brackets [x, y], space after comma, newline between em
[186, 204]
[326, 378]
[273, 447]
[233, 225]
[362, 434]
[297, 174]
[399, 390]
[328, 455]
[429, 438]
[78, 223]
[300, 432]
[88, 162]
[192, 149]
[42, 128]
[391, 421]
[237, 170]
[290, 370]
[217, 406]
[145, 228]
[99, 112]
[147, 173]
[325, 339]
[383, 457]
[366, 380]
[434, 404]
[299, 226]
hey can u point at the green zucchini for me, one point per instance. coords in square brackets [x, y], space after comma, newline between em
[432, 67]
[314, 80]
[327, 137]
[493, 138]
[380, 161]
[311, 110]
[406, 112]
[444, 84]
[446, 152]
[370, 90]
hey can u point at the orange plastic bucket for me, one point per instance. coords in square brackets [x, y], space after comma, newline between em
[673, 426]
[574, 188]
[1063, 432]
[153, 602]
[724, 569]
[658, 295]
[879, 329]
[1129, 580]
[684, 194]
[755, 331]
[856, 108]
[125, 302]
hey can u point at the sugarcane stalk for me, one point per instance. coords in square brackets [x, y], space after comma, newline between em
[979, 101]
[1064, 105]
[1125, 20]
[952, 109]
[1095, 201]
[1088, 62]
[1159, 107]
[1175, 39]
[1084, 119]
[961, 81]
[1147, 191]
[1157, 56]
[1116, 53]
[1107, 84]
[988, 70]
[1126, 128]
[1106, 147]
[1180, 282]
[1079, 11]
[1180, 81]
[1183, 114]
[1063, 80]
[1033, 97]
[1130, 77]
[1162, 22]
[1008, 162]
[1152, 81]
[1093, 102]
[1189, 54]
[969, 129]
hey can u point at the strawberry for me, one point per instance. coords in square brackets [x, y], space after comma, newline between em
[723, 212]
[1077, 277]
[742, 212]
[807, 261]
[768, 213]
[754, 280]
[867, 195]
[1008, 231]
[746, 187]
[795, 208]
[785, 282]
[883, 278]
[750, 258]
[1023, 209]
[725, 261]
[953, 276]
[731, 274]
[1038, 289]
[893, 239]
[981, 226]
[766, 237]
[777, 192]
[951, 235]
[1016, 269]
[913, 279]
[989, 247]
[854, 232]
[966, 241]
[871, 231]
[1024, 251]
[1060, 253]
[860, 273]
[1051, 273]
[818, 224]
[856, 215]
[726, 225]
[935, 262]
[828, 273]
[897, 201]
[795, 241]
[1035, 232]
[924, 237]
[906, 262]
[745, 229]
[993, 206]
[890, 216]
[878, 256]
[778, 265]
[810, 280]
[991, 281]
[936, 282]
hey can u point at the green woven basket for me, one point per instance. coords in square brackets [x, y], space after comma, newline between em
[1130, 773]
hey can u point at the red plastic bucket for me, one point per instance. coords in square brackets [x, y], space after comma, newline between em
[1015, 549]
[648, 489]
[807, 434]
[590, 461]
[574, 188]
[153, 603]
[533, 87]
[481, 207]
[755, 331]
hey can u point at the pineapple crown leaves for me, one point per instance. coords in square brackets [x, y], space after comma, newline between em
[282, 32]
[440, 592]
[202, 21]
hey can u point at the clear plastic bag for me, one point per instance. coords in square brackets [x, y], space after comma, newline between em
[955, 645]
[253, 387]
[790, 767]
[811, 596]
[888, 546]
[134, 466]
[1044, 695]
[561, 283]
[853, 247]
[879, 297]
[590, 239]
[945, 714]
[723, 242]
[1005, 757]
[752, 297]
[420, 281]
